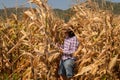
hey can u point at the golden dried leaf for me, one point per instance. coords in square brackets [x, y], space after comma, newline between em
[30, 15]
[113, 61]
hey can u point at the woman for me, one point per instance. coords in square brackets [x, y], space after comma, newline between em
[66, 65]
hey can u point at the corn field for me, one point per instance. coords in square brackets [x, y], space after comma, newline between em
[28, 51]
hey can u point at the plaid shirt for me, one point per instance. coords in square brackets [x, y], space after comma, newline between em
[70, 46]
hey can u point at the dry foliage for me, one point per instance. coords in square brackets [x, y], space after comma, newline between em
[28, 51]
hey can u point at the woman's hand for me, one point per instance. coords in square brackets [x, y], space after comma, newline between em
[59, 47]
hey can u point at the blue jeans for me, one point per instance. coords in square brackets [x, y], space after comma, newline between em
[66, 68]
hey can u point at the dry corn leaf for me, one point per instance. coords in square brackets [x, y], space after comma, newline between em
[113, 62]
[84, 70]
[53, 57]
[31, 15]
